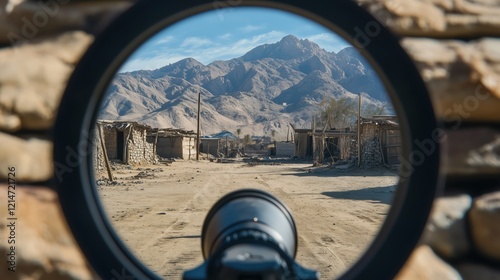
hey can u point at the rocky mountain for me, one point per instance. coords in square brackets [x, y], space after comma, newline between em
[266, 89]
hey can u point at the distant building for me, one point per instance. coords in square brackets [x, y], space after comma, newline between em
[338, 143]
[174, 143]
[380, 142]
[211, 146]
[130, 142]
[284, 149]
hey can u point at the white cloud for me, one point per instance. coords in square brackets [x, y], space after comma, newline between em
[251, 28]
[225, 36]
[196, 42]
[240, 47]
[201, 49]
[164, 40]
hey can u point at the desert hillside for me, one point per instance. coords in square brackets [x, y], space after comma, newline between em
[266, 89]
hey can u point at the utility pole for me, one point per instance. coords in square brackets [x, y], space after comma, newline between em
[104, 152]
[314, 138]
[198, 130]
[359, 131]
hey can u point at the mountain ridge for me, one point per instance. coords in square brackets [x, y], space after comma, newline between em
[266, 89]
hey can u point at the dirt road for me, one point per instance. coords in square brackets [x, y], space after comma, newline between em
[159, 213]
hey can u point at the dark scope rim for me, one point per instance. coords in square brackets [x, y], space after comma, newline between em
[247, 193]
[74, 181]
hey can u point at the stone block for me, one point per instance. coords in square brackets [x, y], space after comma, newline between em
[485, 226]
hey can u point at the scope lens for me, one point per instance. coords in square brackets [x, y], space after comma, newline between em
[249, 214]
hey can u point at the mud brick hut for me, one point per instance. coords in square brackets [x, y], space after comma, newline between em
[173, 143]
[125, 142]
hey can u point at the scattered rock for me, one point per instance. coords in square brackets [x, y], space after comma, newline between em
[137, 182]
[145, 175]
[446, 230]
[485, 227]
[424, 264]
[107, 182]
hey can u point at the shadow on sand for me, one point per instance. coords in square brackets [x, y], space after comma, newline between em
[334, 172]
[375, 194]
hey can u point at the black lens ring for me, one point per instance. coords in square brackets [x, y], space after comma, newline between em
[247, 193]
[75, 181]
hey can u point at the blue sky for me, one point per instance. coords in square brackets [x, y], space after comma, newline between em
[227, 33]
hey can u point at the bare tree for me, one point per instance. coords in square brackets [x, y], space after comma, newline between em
[337, 113]
[373, 110]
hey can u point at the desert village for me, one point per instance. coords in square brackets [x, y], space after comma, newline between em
[151, 183]
[133, 143]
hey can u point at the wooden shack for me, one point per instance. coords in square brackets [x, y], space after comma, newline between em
[338, 144]
[380, 142]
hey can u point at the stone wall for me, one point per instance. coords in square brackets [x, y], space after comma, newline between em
[462, 237]
[370, 146]
[139, 150]
[454, 44]
[109, 136]
[40, 45]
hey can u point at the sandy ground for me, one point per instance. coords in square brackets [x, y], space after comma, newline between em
[159, 214]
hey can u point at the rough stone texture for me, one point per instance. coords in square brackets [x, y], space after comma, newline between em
[473, 156]
[438, 18]
[370, 147]
[463, 78]
[24, 20]
[139, 149]
[455, 71]
[30, 155]
[474, 271]
[446, 230]
[424, 264]
[32, 79]
[485, 224]
[44, 247]
[486, 155]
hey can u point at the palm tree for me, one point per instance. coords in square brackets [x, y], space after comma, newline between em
[238, 131]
